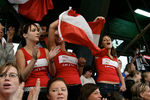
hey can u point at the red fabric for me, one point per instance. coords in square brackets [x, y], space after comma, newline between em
[67, 70]
[72, 13]
[97, 26]
[38, 72]
[147, 57]
[106, 70]
[71, 31]
[35, 9]
[76, 35]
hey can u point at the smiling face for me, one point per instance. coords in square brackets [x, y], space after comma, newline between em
[9, 81]
[95, 95]
[106, 42]
[58, 91]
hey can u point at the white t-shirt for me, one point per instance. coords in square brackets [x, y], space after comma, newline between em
[87, 80]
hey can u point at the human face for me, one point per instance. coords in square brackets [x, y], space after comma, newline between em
[146, 94]
[138, 77]
[58, 41]
[9, 82]
[33, 34]
[119, 64]
[1, 33]
[106, 42]
[133, 67]
[88, 74]
[58, 91]
[95, 95]
[148, 77]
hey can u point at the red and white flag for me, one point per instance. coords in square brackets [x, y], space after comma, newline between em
[73, 28]
[147, 57]
[33, 9]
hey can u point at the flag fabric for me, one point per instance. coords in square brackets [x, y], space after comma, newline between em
[33, 9]
[147, 57]
[97, 27]
[18, 1]
[73, 28]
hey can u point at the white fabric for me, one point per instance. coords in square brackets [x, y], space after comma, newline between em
[77, 21]
[87, 80]
[18, 1]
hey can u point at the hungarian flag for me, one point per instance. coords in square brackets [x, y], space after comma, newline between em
[73, 28]
[33, 9]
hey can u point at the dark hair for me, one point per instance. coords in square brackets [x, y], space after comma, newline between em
[24, 30]
[133, 73]
[8, 66]
[86, 91]
[128, 67]
[115, 96]
[87, 68]
[113, 51]
[52, 81]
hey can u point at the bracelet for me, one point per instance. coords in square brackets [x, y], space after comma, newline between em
[51, 61]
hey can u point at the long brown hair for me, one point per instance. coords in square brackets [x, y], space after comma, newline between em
[24, 30]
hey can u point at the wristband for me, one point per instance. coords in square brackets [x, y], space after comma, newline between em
[51, 61]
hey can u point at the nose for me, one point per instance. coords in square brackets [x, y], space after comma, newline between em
[100, 96]
[7, 77]
[59, 92]
[38, 32]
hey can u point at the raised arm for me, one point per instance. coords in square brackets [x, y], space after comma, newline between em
[99, 17]
[81, 64]
[51, 35]
[9, 46]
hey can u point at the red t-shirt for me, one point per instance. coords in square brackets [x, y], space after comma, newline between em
[106, 69]
[66, 67]
[39, 70]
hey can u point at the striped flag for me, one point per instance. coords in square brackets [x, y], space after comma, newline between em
[73, 28]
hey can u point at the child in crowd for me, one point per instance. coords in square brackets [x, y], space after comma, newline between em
[86, 76]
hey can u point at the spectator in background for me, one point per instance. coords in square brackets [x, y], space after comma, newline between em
[115, 96]
[133, 77]
[140, 91]
[6, 48]
[146, 78]
[86, 76]
[140, 61]
[90, 91]
[129, 67]
[109, 74]
[120, 66]
[57, 89]
[43, 42]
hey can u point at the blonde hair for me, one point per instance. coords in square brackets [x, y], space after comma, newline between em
[138, 88]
